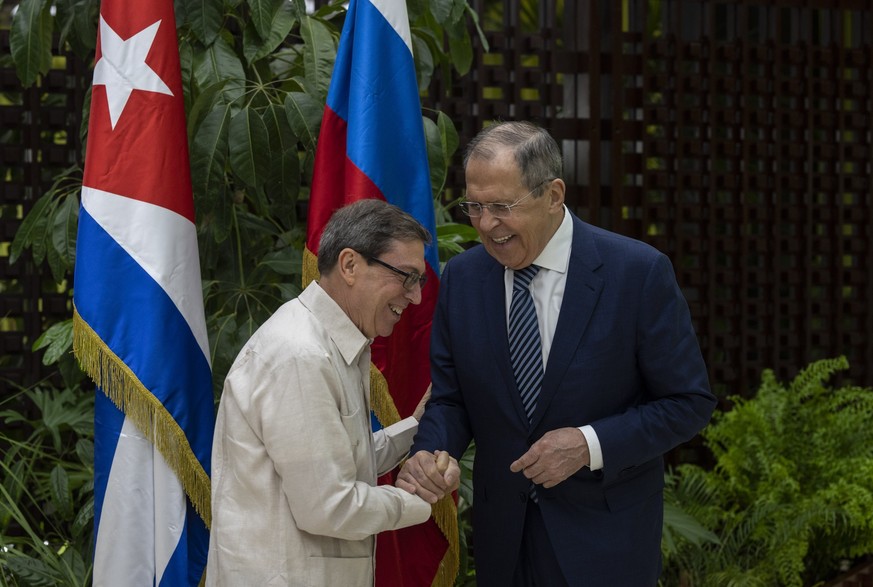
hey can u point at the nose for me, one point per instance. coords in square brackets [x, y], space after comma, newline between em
[487, 220]
[414, 294]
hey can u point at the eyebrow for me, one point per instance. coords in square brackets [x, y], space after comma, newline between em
[408, 267]
[467, 198]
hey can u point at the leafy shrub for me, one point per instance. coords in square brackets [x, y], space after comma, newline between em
[47, 488]
[791, 493]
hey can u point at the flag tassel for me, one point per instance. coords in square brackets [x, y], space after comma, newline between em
[445, 514]
[127, 392]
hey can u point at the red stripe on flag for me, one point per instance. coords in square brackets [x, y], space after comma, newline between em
[409, 556]
[336, 181]
[137, 158]
[410, 341]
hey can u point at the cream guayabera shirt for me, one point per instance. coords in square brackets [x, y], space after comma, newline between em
[294, 461]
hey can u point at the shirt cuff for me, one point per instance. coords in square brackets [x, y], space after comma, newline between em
[594, 452]
[403, 427]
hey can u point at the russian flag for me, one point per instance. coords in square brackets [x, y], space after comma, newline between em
[139, 326]
[371, 145]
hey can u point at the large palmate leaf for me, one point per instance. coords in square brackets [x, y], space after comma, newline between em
[248, 144]
[64, 230]
[30, 40]
[319, 53]
[208, 171]
[204, 16]
[283, 182]
[262, 13]
[304, 115]
[220, 63]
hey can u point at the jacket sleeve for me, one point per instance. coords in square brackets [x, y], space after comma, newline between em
[445, 424]
[677, 402]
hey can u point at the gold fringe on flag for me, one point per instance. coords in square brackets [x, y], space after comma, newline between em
[128, 393]
[381, 401]
[310, 267]
[444, 512]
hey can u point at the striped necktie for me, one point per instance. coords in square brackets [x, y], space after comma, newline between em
[525, 350]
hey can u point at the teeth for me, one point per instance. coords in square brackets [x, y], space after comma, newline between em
[396, 310]
[500, 241]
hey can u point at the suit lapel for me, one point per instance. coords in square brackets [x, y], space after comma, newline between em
[580, 298]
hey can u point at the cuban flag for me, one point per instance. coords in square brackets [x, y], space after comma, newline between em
[139, 327]
[371, 145]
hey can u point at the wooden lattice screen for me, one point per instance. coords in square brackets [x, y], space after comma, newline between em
[758, 181]
[39, 137]
[734, 136]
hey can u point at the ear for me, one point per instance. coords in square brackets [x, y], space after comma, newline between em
[557, 188]
[349, 265]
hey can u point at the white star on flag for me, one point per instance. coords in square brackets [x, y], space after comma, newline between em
[122, 67]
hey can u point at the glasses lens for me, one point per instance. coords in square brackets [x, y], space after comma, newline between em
[500, 210]
[414, 278]
[471, 208]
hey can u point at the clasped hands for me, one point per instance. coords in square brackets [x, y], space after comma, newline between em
[549, 461]
[431, 476]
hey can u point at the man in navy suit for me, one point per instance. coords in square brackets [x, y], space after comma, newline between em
[568, 481]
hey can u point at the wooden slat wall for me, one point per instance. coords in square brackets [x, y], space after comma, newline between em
[734, 136]
[39, 137]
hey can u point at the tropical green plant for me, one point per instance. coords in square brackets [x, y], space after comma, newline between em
[47, 488]
[791, 492]
[255, 75]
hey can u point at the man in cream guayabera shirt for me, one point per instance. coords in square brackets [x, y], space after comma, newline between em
[294, 494]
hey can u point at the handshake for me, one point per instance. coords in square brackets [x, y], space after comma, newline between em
[431, 476]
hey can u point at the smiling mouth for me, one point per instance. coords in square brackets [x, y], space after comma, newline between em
[502, 240]
[396, 309]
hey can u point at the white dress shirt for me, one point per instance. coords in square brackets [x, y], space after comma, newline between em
[547, 289]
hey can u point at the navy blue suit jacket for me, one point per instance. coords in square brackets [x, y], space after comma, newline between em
[624, 359]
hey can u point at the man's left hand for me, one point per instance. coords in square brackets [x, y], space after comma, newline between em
[554, 457]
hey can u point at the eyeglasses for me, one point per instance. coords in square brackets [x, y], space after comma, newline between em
[410, 278]
[475, 209]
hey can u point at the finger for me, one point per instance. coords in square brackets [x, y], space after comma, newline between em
[419, 463]
[426, 484]
[535, 471]
[407, 481]
[412, 471]
[523, 462]
[425, 494]
[442, 461]
[422, 466]
[406, 486]
[453, 476]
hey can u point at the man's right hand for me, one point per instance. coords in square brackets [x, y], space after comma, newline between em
[431, 476]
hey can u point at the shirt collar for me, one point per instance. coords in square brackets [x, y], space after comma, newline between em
[350, 341]
[556, 254]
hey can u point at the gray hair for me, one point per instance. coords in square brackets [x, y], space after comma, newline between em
[536, 153]
[369, 227]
